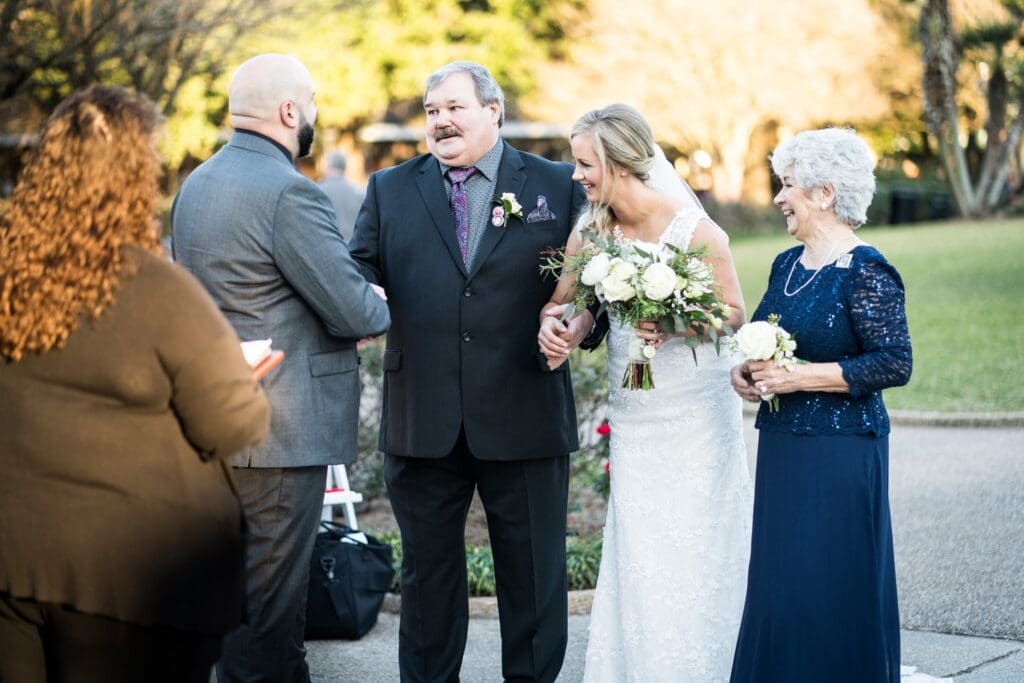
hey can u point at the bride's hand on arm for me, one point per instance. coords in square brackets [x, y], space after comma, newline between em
[551, 336]
[557, 337]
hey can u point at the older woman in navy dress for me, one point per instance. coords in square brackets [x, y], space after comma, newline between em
[821, 593]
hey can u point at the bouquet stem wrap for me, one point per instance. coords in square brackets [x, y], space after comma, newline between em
[638, 371]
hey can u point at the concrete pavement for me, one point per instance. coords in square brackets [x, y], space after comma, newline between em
[374, 658]
[957, 498]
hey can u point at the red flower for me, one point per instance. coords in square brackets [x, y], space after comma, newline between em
[607, 467]
[604, 429]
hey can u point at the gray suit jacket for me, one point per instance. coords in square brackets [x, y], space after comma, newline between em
[262, 239]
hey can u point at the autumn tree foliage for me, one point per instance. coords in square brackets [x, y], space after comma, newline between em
[709, 74]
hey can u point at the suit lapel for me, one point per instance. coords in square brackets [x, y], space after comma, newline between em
[435, 198]
[511, 178]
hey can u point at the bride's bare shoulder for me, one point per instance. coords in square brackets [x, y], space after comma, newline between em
[707, 230]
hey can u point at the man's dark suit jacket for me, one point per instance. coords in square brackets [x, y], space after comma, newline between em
[462, 348]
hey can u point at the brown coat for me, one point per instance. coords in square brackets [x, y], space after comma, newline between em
[115, 498]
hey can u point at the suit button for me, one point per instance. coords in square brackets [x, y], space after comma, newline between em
[467, 292]
[466, 337]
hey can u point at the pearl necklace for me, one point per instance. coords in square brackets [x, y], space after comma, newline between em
[785, 287]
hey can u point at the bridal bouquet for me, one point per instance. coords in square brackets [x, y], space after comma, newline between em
[766, 340]
[671, 286]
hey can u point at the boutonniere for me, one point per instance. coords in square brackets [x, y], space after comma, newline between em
[506, 207]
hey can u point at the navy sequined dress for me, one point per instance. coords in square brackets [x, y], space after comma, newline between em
[821, 591]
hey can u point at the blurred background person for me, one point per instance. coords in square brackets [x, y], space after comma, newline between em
[344, 195]
[821, 591]
[124, 389]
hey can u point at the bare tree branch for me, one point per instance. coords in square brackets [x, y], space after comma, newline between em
[155, 46]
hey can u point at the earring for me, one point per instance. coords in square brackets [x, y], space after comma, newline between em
[824, 206]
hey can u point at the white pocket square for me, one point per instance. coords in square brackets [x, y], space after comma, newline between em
[541, 212]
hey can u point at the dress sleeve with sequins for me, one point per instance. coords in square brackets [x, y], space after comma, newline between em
[878, 310]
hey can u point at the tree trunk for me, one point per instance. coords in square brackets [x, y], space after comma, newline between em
[1008, 149]
[939, 90]
[732, 163]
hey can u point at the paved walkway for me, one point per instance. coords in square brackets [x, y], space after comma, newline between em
[374, 658]
[958, 520]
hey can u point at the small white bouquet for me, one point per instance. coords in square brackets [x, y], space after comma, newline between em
[672, 286]
[767, 340]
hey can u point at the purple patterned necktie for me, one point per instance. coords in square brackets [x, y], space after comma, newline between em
[460, 205]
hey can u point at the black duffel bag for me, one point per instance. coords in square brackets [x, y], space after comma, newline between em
[347, 582]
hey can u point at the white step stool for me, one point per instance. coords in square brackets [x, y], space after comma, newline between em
[337, 492]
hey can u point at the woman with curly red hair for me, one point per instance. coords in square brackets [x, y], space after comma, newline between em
[124, 389]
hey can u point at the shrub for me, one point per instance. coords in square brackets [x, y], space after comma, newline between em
[583, 559]
[582, 556]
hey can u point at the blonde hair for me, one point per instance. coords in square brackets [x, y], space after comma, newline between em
[623, 140]
[89, 190]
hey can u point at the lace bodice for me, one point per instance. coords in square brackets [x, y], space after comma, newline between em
[678, 232]
[854, 314]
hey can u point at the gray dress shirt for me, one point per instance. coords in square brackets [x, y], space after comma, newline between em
[479, 196]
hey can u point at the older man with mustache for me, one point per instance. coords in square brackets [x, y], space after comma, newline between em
[470, 404]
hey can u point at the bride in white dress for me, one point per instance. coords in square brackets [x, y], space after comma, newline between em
[677, 538]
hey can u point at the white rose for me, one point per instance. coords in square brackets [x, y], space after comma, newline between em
[648, 351]
[616, 289]
[658, 281]
[514, 205]
[756, 340]
[617, 285]
[596, 269]
[621, 269]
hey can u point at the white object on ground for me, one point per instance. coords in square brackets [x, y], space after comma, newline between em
[910, 674]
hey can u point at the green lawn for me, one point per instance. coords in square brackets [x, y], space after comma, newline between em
[965, 304]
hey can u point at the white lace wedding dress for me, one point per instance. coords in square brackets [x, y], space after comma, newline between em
[673, 574]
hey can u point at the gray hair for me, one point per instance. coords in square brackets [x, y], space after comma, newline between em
[337, 160]
[487, 89]
[835, 157]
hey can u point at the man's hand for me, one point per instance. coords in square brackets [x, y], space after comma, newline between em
[379, 290]
[557, 338]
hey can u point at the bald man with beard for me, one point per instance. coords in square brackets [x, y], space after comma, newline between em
[264, 241]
